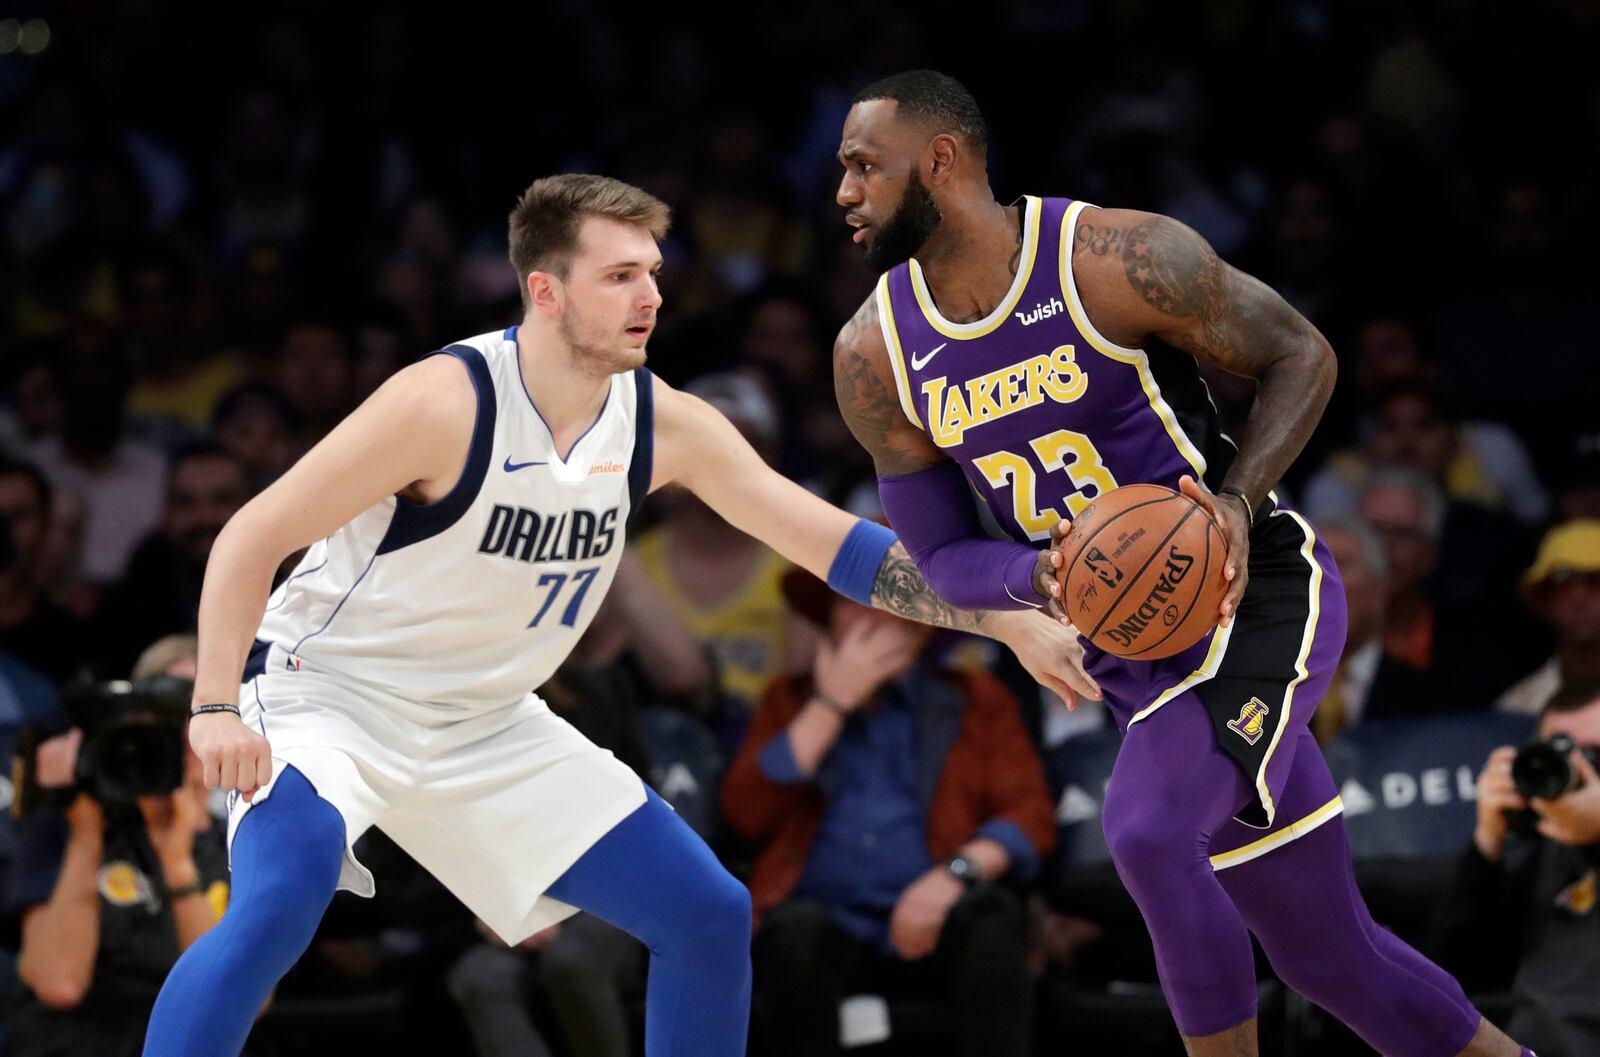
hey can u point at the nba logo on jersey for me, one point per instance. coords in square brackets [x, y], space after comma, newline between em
[1252, 720]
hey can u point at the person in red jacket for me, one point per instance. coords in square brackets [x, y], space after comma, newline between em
[887, 796]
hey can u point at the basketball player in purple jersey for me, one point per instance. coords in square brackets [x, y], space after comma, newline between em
[1041, 354]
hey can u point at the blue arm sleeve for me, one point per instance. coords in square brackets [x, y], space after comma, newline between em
[932, 513]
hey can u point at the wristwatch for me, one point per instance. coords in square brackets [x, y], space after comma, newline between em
[964, 869]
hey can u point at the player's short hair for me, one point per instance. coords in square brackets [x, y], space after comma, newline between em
[937, 99]
[545, 223]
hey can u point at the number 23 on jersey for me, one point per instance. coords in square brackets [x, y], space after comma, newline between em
[1061, 451]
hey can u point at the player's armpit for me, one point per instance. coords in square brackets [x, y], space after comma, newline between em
[864, 385]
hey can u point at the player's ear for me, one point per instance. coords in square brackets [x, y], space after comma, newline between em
[941, 157]
[546, 293]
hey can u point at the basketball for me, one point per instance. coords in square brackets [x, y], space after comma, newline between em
[1142, 576]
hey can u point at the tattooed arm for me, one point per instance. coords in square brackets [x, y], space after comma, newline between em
[864, 384]
[1146, 276]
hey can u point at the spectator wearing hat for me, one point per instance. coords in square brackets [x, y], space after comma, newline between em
[1562, 587]
[891, 801]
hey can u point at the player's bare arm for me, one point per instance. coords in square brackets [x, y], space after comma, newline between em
[409, 438]
[1142, 276]
[864, 385]
[696, 447]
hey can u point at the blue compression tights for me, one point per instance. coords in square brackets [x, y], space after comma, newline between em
[650, 876]
[286, 859]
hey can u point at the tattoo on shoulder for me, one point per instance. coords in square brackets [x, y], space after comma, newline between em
[1176, 272]
[1096, 240]
[901, 590]
[870, 407]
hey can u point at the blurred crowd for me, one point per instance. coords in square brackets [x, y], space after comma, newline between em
[220, 231]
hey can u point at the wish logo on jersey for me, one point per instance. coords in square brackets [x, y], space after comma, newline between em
[528, 536]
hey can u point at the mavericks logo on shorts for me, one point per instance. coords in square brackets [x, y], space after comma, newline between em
[1252, 721]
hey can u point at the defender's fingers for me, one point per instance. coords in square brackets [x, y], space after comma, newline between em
[230, 769]
[210, 762]
[247, 772]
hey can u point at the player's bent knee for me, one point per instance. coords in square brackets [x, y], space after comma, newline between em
[721, 910]
[1138, 846]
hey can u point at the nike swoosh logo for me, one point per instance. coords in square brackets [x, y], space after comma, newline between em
[513, 467]
[919, 362]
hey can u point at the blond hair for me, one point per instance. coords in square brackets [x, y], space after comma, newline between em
[544, 225]
[164, 653]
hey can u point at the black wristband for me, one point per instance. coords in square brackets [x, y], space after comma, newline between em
[201, 710]
[194, 888]
[1249, 507]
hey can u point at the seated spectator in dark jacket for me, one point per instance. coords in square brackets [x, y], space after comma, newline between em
[1563, 588]
[888, 796]
[160, 593]
[1369, 682]
[1522, 911]
[1444, 595]
[109, 896]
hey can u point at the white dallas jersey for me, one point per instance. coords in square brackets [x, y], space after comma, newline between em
[475, 599]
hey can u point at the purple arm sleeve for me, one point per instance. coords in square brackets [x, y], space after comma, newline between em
[932, 513]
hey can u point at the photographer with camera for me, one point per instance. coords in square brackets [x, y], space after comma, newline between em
[119, 867]
[1521, 913]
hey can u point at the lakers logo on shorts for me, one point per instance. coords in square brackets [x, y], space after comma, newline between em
[1252, 721]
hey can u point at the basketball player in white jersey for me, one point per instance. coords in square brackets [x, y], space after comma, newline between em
[463, 525]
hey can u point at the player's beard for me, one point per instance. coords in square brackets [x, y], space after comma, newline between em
[908, 230]
[593, 350]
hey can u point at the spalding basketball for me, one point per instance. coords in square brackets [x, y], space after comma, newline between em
[1142, 576]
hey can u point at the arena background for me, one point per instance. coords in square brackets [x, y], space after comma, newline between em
[301, 198]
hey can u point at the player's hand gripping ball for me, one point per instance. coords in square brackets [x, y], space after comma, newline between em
[1141, 573]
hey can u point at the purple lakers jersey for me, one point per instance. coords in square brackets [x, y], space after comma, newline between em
[1039, 409]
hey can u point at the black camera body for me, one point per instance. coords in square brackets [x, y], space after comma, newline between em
[1544, 768]
[134, 738]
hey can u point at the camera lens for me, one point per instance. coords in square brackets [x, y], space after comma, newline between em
[1542, 769]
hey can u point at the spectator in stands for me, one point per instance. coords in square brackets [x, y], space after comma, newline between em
[1522, 911]
[160, 594]
[721, 583]
[178, 379]
[119, 480]
[889, 800]
[1482, 463]
[258, 428]
[316, 371]
[1562, 588]
[1433, 611]
[108, 899]
[33, 628]
[1578, 479]
[1369, 682]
